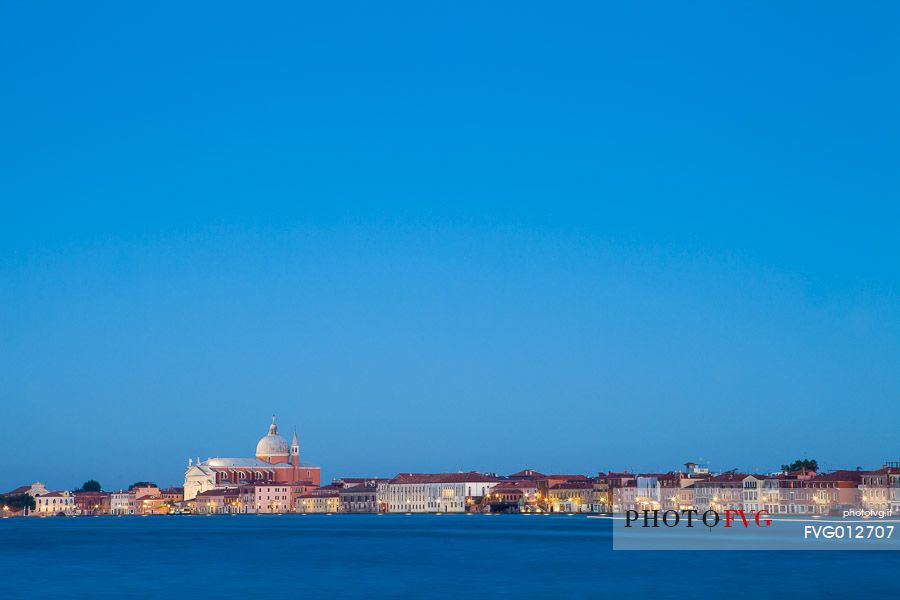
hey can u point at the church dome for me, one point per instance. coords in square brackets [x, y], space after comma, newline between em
[272, 445]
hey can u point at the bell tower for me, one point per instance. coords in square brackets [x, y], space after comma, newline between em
[295, 450]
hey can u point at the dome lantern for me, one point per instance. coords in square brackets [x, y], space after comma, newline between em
[273, 448]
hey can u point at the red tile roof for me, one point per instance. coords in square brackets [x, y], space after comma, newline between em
[313, 495]
[727, 478]
[854, 476]
[528, 473]
[884, 471]
[329, 488]
[574, 485]
[470, 477]
[359, 489]
[516, 485]
[213, 493]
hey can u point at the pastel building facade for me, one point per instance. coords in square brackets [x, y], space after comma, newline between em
[255, 498]
[54, 503]
[271, 498]
[880, 489]
[793, 496]
[122, 503]
[219, 501]
[600, 501]
[834, 491]
[621, 490]
[722, 492]
[325, 499]
[759, 492]
[571, 497]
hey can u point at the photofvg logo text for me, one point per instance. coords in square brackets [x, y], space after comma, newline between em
[691, 518]
[741, 529]
[649, 524]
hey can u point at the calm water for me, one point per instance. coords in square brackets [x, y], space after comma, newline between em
[399, 556]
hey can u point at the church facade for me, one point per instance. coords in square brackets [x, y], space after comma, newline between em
[276, 462]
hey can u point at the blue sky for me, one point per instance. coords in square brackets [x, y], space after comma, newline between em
[439, 238]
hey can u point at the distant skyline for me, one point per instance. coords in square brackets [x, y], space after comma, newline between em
[453, 238]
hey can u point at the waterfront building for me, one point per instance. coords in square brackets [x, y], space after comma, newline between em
[152, 505]
[91, 503]
[625, 496]
[722, 492]
[122, 503]
[253, 498]
[438, 492]
[668, 491]
[361, 498]
[677, 489]
[173, 495]
[271, 497]
[146, 491]
[648, 495]
[879, 489]
[220, 501]
[759, 492]
[834, 491]
[674, 490]
[793, 494]
[514, 496]
[622, 490]
[54, 503]
[893, 483]
[545, 482]
[379, 483]
[276, 461]
[325, 499]
[600, 500]
[147, 500]
[571, 496]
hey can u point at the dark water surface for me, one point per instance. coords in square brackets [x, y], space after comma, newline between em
[401, 556]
